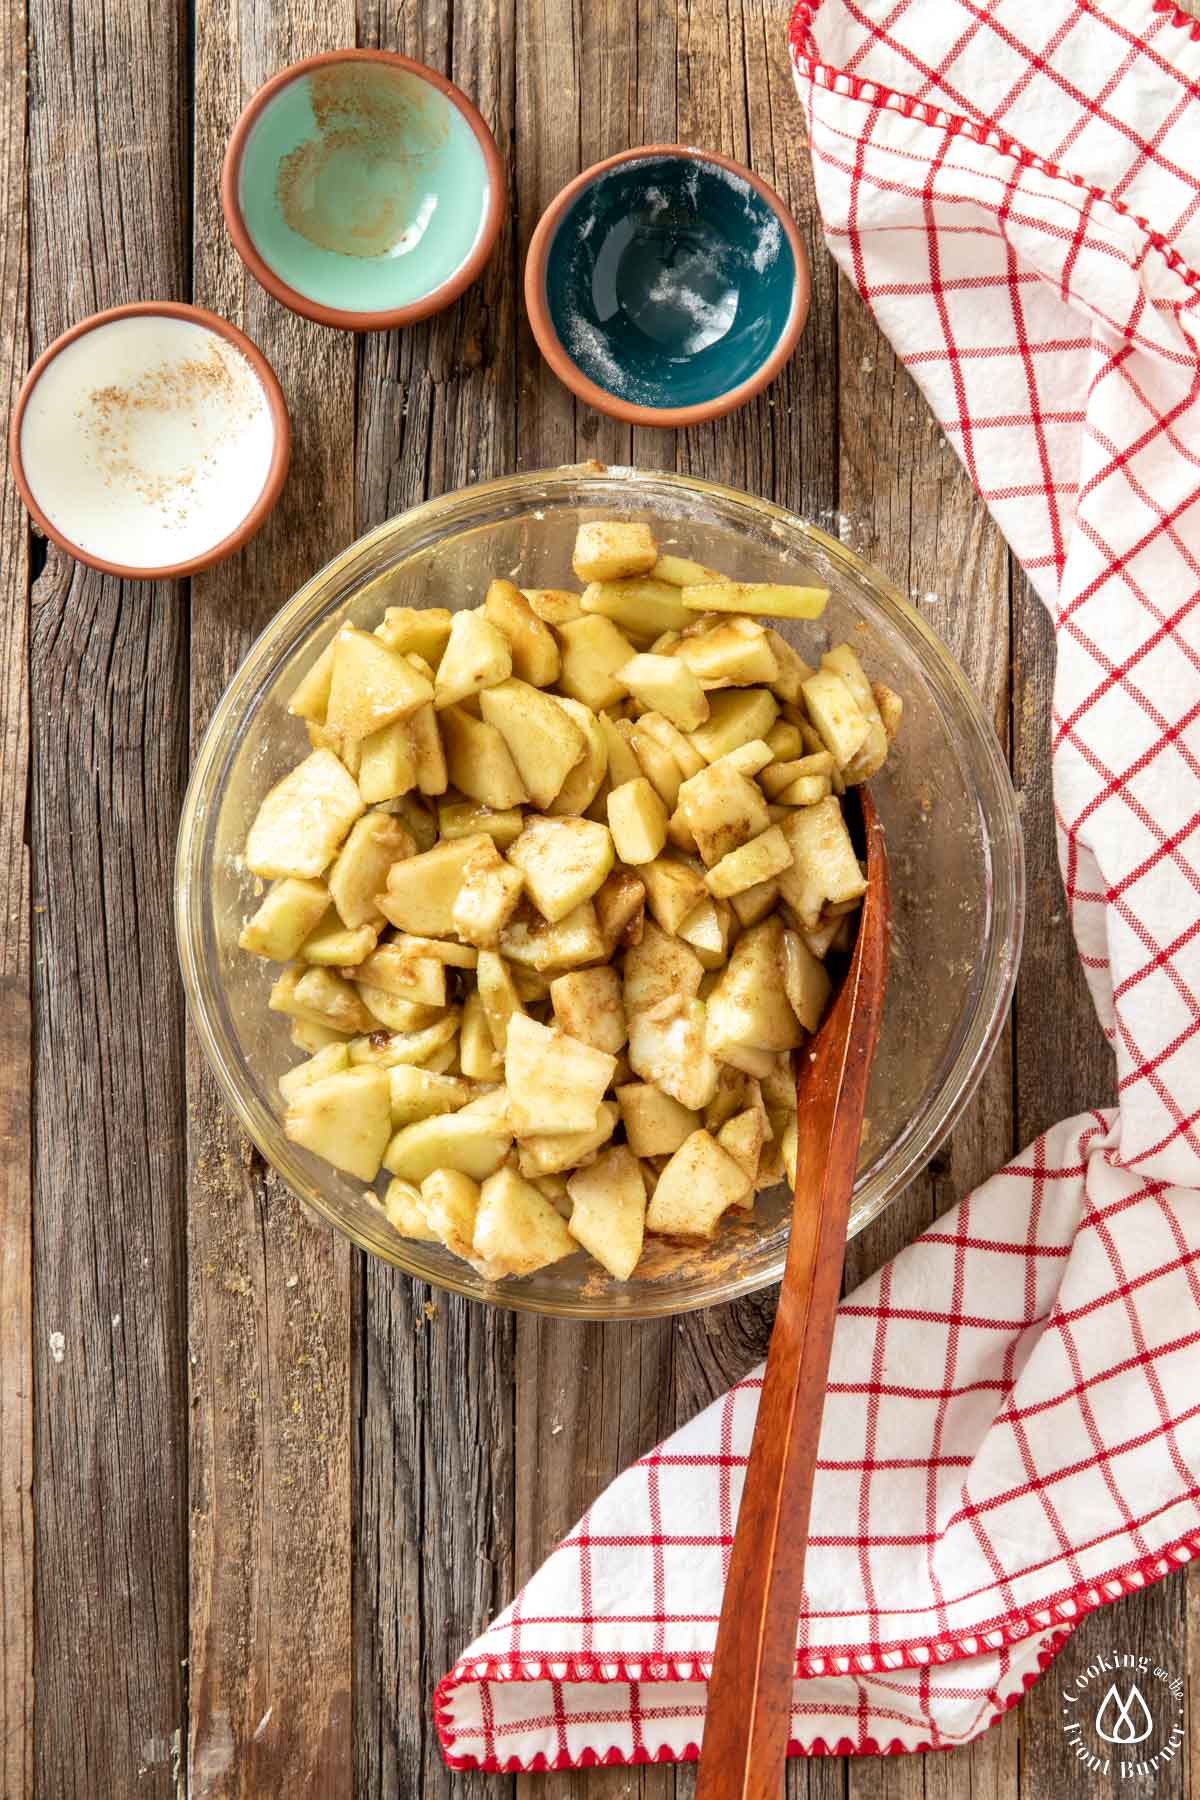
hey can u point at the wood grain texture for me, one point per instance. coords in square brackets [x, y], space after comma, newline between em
[16, 1218]
[108, 709]
[269, 1289]
[433, 1424]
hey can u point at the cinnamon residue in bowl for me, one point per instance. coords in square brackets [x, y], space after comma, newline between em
[352, 188]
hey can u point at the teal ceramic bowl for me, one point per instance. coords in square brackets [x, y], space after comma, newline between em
[362, 189]
[667, 285]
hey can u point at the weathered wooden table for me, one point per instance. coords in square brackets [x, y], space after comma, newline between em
[260, 1491]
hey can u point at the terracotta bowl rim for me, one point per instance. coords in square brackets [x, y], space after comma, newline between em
[564, 365]
[280, 450]
[347, 318]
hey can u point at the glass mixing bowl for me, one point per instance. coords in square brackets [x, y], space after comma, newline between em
[947, 803]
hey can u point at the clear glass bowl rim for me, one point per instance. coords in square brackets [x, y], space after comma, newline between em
[303, 611]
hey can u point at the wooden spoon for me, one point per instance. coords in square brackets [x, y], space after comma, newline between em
[748, 1714]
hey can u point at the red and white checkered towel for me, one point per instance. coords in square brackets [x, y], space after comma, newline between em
[1012, 1434]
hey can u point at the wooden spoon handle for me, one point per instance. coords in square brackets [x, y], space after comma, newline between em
[748, 1711]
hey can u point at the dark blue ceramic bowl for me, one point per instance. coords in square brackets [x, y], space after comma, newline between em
[667, 285]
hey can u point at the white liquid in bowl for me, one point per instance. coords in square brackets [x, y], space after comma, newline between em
[146, 441]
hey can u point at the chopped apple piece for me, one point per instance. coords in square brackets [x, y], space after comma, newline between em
[637, 820]
[400, 971]
[555, 1082]
[490, 892]
[334, 945]
[320, 996]
[708, 928]
[417, 1047]
[346, 1118]
[288, 913]
[806, 790]
[549, 1152]
[419, 949]
[681, 571]
[375, 842]
[736, 653]
[667, 685]
[784, 740]
[831, 707]
[657, 765]
[748, 759]
[387, 764]
[792, 670]
[563, 861]
[428, 754]
[700, 1183]
[759, 860]
[660, 728]
[623, 765]
[543, 739]
[473, 1146]
[465, 818]
[517, 1229]
[736, 716]
[673, 890]
[620, 909]
[535, 656]
[583, 782]
[528, 940]
[310, 700]
[477, 656]
[301, 823]
[643, 607]
[806, 981]
[554, 606]
[824, 866]
[405, 1212]
[478, 760]
[748, 1008]
[422, 889]
[608, 1213]
[592, 652]
[327, 1061]
[588, 1006]
[754, 903]
[371, 685]
[655, 1124]
[667, 1046]
[744, 1137]
[450, 1203]
[419, 1094]
[658, 967]
[767, 599]
[723, 810]
[477, 1053]
[501, 1002]
[891, 707]
[607, 550]
[416, 631]
[871, 755]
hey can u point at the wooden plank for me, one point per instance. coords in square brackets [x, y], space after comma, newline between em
[106, 205]
[437, 408]
[16, 1218]
[269, 1288]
